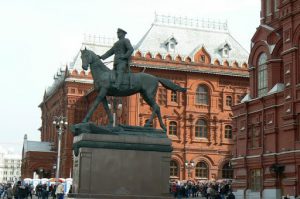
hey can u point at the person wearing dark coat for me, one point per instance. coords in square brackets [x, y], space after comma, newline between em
[21, 191]
[230, 195]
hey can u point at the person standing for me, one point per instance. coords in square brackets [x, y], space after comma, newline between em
[122, 50]
[60, 191]
[10, 193]
[53, 191]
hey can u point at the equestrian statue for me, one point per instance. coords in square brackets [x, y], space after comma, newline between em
[120, 82]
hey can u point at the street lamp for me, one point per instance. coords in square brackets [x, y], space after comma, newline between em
[116, 107]
[41, 172]
[189, 166]
[60, 123]
[54, 169]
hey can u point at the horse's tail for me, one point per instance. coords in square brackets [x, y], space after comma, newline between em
[170, 85]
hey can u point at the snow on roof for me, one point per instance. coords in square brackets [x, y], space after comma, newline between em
[191, 35]
[277, 88]
[37, 146]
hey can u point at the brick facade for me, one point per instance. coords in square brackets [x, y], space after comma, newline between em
[266, 126]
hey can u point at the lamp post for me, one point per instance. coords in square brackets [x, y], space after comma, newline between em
[41, 173]
[60, 123]
[116, 107]
[54, 169]
[189, 166]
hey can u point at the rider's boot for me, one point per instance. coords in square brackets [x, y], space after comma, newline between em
[119, 80]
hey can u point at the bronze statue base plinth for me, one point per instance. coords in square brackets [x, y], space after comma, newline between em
[127, 164]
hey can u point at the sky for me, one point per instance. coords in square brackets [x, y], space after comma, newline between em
[37, 37]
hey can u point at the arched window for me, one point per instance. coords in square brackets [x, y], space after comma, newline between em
[227, 171]
[228, 132]
[202, 95]
[151, 124]
[201, 129]
[173, 96]
[262, 75]
[228, 101]
[173, 128]
[201, 170]
[173, 168]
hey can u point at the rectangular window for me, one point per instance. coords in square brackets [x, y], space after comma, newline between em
[254, 138]
[268, 7]
[202, 98]
[255, 179]
[298, 127]
[262, 81]
[228, 101]
[174, 96]
[276, 3]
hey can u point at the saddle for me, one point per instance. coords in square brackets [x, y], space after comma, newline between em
[127, 78]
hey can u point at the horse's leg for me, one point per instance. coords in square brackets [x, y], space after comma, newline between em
[101, 95]
[149, 99]
[108, 112]
[161, 123]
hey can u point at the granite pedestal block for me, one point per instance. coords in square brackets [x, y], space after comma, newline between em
[126, 164]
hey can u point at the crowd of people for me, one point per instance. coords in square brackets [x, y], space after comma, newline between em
[208, 189]
[20, 190]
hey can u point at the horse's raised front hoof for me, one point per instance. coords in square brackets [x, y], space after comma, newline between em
[164, 128]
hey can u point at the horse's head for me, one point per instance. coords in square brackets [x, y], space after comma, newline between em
[86, 57]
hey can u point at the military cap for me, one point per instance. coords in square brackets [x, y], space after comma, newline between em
[121, 30]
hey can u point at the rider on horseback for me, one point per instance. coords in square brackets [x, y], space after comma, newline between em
[122, 50]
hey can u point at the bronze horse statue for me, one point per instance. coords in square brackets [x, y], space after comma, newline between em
[142, 83]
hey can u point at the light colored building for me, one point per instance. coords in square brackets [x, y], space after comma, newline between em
[10, 166]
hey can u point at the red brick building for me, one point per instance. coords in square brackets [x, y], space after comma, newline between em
[37, 159]
[201, 56]
[266, 124]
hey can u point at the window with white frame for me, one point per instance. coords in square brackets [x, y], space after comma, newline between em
[262, 75]
[202, 95]
[268, 7]
[201, 170]
[201, 129]
[173, 168]
[173, 96]
[255, 179]
[172, 128]
[228, 132]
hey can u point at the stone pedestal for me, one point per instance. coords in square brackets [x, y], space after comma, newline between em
[126, 164]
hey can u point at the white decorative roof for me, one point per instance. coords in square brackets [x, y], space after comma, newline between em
[190, 35]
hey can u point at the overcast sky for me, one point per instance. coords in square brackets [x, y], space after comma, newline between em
[37, 37]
